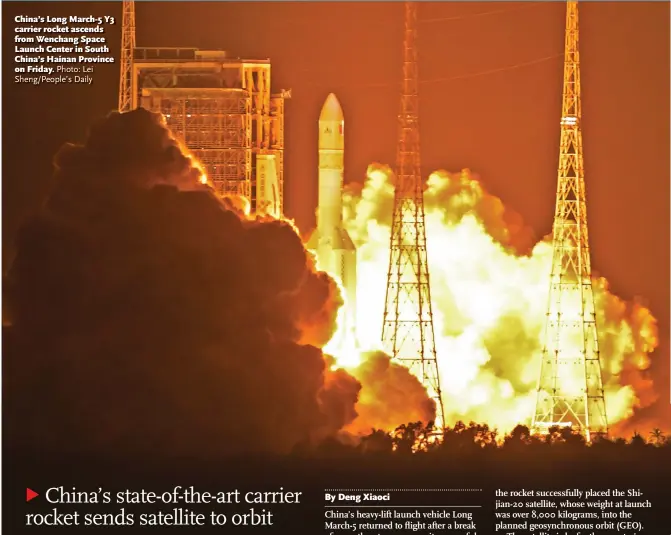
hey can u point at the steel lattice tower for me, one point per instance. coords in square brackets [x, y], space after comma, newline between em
[127, 47]
[570, 387]
[407, 330]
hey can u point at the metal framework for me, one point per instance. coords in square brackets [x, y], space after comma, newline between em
[127, 47]
[570, 388]
[407, 330]
[216, 126]
[221, 108]
[277, 137]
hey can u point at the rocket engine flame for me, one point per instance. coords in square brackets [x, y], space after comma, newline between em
[159, 311]
[489, 286]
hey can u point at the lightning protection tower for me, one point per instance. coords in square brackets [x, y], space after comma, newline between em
[407, 329]
[127, 48]
[570, 388]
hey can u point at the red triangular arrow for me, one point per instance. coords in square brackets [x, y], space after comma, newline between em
[30, 494]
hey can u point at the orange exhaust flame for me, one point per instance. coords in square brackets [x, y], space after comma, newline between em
[489, 303]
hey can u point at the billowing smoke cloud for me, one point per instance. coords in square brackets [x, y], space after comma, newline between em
[489, 285]
[147, 314]
[390, 395]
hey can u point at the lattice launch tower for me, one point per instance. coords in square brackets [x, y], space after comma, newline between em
[127, 47]
[570, 388]
[407, 331]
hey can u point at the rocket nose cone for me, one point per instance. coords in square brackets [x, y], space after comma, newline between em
[331, 110]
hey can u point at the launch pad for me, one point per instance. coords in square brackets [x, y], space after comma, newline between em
[222, 109]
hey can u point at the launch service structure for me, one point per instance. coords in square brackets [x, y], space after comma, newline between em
[407, 328]
[222, 109]
[330, 242]
[570, 387]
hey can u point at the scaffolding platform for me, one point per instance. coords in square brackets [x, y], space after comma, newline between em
[222, 110]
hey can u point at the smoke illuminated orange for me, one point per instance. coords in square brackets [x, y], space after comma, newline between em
[489, 304]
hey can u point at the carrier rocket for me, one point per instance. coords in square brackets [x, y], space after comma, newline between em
[330, 242]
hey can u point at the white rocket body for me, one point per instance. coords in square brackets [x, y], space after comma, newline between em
[330, 241]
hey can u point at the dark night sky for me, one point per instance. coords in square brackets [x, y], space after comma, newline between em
[476, 111]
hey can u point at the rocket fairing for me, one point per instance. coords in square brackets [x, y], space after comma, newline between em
[330, 242]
